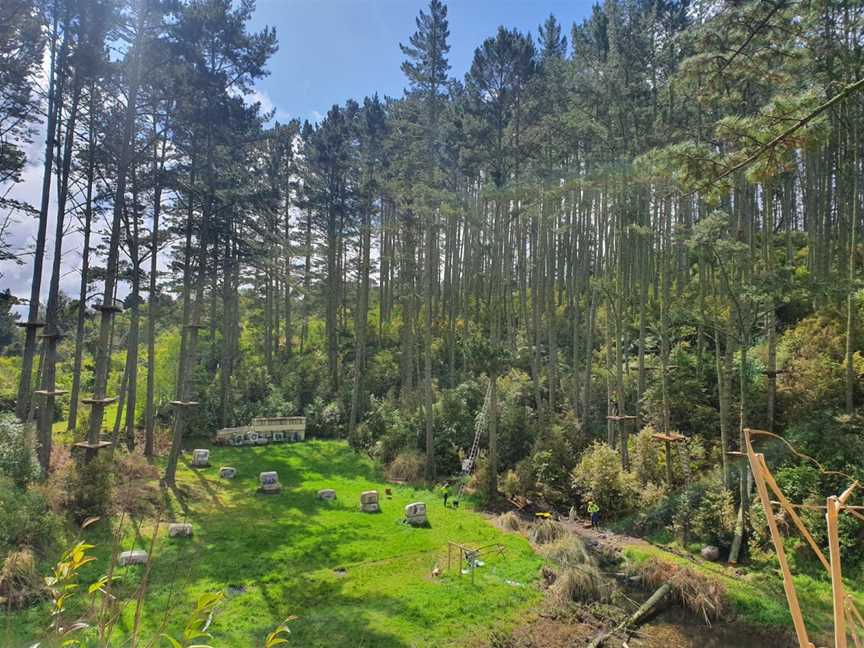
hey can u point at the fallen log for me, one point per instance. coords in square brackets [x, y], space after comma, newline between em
[637, 617]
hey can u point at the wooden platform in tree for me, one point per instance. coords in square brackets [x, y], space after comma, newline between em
[46, 392]
[193, 325]
[92, 446]
[108, 308]
[34, 324]
[671, 438]
[621, 418]
[99, 402]
[177, 403]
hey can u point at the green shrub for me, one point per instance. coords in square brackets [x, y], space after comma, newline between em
[798, 483]
[25, 520]
[17, 461]
[89, 486]
[551, 462]
[384, 433]
[20, 581]
[687, 502]
[324, 420]
[409, 466]
[510, 485]
[645, 457]
[715, 517]
[651, 495]
[599, 477]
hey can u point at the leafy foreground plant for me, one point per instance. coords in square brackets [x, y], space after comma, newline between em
[96, 625]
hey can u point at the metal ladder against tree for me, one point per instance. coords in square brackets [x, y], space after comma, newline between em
[479, 427]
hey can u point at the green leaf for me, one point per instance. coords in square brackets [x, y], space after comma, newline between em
[174, 643]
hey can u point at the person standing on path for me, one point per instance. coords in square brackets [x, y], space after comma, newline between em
[594, 511]
[445, 493]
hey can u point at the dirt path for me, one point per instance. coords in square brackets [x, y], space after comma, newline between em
[601, 537]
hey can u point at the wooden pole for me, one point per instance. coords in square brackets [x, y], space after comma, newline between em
[831, 515]
[777, 539]
[790, 510]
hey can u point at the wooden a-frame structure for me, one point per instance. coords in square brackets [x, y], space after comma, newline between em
[847, 618]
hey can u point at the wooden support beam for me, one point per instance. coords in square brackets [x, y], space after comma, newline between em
[839, 595]
[788, 585]
[847, 493]
[796, 520]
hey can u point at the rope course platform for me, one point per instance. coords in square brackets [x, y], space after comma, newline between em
[108, 308]
[87, 445]
[47, 392]
[668, 438]
[100, 402]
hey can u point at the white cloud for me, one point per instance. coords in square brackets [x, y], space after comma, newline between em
[267, 105]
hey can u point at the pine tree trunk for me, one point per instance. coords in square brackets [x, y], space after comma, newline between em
[153, 304]
[85, 265]
[52, 331]
[851, 377]
[22, 403]
[102, 364]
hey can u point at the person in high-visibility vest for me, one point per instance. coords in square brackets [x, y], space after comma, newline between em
[594, 511]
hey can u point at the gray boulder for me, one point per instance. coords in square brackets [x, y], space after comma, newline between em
[180, 530]
[134, 557]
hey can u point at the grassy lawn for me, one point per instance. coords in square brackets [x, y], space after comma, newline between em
[283, 550]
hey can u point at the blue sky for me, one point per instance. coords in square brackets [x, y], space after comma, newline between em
[329, 51]
[333, 50]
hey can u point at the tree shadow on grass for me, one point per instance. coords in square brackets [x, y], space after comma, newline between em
[208, 488]
[284, 549]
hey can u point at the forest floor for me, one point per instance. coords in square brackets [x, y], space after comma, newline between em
[351, 579]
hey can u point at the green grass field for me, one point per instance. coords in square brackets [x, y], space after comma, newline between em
[283, 550]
